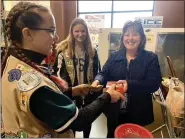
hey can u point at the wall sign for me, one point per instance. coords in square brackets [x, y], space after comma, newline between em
[151, 22]
[94, 23]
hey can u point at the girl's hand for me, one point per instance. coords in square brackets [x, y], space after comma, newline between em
[81, 90]
[115, 96]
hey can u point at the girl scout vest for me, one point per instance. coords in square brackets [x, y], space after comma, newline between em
[69, 63]
[17, 118]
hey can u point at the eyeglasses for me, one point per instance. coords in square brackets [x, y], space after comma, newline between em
[52, 31]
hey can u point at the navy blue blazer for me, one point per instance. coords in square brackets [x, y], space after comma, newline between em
[143, 77]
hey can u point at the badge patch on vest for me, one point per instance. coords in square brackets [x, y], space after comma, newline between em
[23, 68]
[10, 135]
[28, 81]
[23, 99]
[14, 74]
[22, 134]
[19, 134]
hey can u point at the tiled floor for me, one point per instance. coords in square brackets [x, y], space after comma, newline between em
[99, 129]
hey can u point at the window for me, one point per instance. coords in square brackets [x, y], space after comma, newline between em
[94, 6]
[132, 5]
[121, 18]
[111, 14]
[116, 12]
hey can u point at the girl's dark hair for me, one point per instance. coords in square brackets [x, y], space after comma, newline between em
[137, 26]
[23, 14]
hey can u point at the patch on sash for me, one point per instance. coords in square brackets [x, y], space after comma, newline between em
[10, 135]
[23, 68]
[14, 74]
[23, 99]
[46, 136]
[22, 134]
[28, 81]
[69, 62]
[19, 134]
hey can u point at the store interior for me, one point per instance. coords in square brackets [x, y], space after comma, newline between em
[165, 40]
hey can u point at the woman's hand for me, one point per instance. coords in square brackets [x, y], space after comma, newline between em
[125, 85]
[115, 96]
[95, 83]
[81, 90]
[97, 88]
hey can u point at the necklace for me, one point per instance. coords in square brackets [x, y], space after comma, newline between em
[131, 58]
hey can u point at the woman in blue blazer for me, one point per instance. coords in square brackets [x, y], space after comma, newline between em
[139, 71]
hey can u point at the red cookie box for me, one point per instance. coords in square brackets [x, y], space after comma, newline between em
[119, 86]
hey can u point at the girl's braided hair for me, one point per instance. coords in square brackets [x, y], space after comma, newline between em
[23, 14]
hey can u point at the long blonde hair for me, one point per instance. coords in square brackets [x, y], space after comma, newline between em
[69, 42]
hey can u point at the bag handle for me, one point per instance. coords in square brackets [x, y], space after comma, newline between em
[171, 66]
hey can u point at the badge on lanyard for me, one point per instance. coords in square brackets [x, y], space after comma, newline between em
[28, 81]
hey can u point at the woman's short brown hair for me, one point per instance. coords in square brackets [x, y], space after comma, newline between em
[137, 26]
